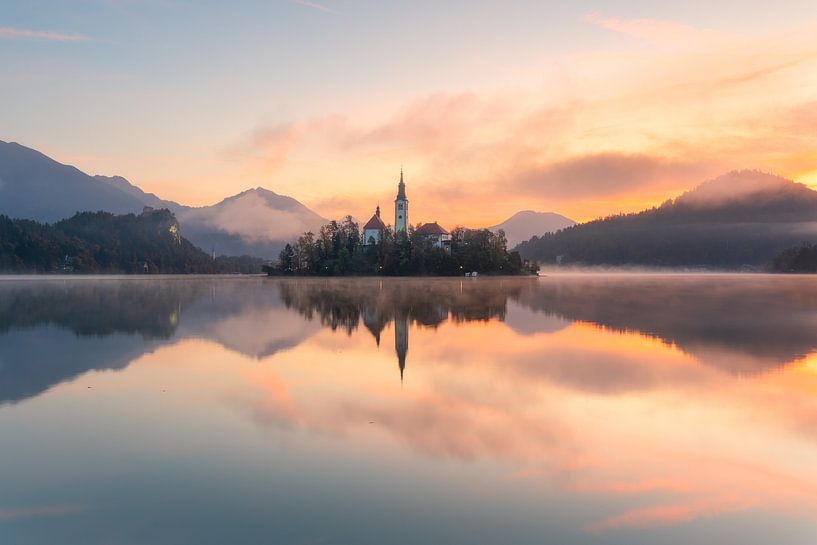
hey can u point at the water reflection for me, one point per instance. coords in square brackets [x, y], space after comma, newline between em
[741, 325]
[55, 330]
[408, 302]
[569, 409]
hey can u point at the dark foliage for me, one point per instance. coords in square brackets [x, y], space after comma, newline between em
[694, 230]
[338, 250]
[100, 242]
[799, 259]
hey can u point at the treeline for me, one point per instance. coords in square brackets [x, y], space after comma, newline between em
[100, 242]
[338, 250]
[666, 238]
[799, 259]
[743, 219]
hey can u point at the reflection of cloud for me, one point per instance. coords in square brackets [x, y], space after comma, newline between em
[260, 332]
[16, 513]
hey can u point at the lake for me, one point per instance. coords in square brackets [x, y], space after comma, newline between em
[567, 409]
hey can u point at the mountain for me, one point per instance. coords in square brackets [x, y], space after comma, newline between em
[34, 186]
[744, 218]
[256, 222]
[527, 223]
[148, 199]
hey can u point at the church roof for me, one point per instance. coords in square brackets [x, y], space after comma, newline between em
[375, 223]
[431, 229]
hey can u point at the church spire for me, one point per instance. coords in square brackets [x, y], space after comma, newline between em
[401, 207]
[401, 188]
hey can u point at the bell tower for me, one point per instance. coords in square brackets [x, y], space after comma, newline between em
[401, 207]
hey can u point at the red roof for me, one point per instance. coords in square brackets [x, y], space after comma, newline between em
[375, 223]
[431, 229]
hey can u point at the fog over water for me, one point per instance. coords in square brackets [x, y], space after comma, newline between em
[566, 409]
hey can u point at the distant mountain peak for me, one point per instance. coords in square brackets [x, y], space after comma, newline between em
[526, 223]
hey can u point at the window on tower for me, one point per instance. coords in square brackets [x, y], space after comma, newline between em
[400, 206]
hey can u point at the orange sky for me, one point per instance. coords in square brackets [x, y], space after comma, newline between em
[584, 113]
[584, 134]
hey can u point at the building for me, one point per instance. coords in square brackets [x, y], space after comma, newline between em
[401, 207]
[373, 230]
[438, 236]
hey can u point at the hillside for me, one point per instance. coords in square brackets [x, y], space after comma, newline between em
[255, 222]
[34, 186]
[100, 242]
[147, 199]
[744, 218]
[527, 223]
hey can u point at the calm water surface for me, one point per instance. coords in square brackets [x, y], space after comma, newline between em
[619, 409]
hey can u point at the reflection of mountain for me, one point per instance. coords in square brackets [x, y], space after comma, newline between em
[738, 323]
[55, 330]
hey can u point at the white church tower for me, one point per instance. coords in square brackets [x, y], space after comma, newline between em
[401, 207]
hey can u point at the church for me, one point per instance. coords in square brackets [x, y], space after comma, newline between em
[374, 228]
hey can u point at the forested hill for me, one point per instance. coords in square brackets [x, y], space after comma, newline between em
[100, 242]
[740, 219]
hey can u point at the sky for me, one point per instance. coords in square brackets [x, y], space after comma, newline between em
[581, 108]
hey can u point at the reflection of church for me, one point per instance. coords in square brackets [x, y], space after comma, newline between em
[376, 322]
[403, 303]
[374, 229]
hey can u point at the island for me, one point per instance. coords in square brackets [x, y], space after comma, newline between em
[341, 248]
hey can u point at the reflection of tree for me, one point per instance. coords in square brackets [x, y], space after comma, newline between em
[345, 303]
[54, 330]
[742, 324]
[150, 309]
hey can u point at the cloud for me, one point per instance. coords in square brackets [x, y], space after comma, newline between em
[604, 133]
[315, 5]
[605, 174]
[652, 30]
[12, 33]
[669, 514]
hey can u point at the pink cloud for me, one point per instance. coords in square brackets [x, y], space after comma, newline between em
[668, 514]
[315, 5]
[12, 33]
[652, 30]
[606, 174]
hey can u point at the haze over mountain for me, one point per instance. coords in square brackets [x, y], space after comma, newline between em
[527, 223]
[256, 222]
[744, 218]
